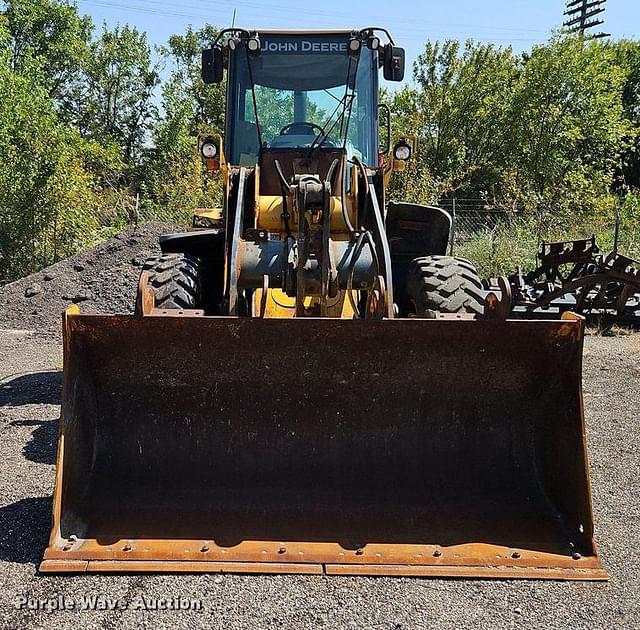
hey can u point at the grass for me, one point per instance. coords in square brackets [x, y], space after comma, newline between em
[499, 251]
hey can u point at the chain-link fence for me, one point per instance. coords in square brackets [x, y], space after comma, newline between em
[47, 237]
[495, 238]
[498, 239]
[473, 216]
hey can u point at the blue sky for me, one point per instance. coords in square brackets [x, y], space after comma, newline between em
[519, 23]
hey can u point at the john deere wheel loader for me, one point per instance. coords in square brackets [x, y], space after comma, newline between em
[310, 384]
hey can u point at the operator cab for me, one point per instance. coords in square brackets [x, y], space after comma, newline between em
[315, 92]
[309, 92]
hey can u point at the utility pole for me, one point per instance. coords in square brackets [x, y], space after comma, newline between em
[581, 14]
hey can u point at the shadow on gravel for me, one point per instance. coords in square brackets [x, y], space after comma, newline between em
[41, 447]
[24, 530]
[40, 388]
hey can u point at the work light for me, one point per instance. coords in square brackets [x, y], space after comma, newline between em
[253, 44]
[354, 45]
[402, 151]
[209, 150]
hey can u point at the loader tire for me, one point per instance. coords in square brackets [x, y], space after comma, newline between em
[176, 281]
[443, 284]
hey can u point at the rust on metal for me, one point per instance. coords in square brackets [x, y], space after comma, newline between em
[489, 572]
[602, 285]
[499, 305]
[396, 447]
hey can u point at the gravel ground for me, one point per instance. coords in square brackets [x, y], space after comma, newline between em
[28, 412]
[101, 280]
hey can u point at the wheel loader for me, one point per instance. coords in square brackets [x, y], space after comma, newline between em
[310, 384]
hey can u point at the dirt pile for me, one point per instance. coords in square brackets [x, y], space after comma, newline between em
[99, 280]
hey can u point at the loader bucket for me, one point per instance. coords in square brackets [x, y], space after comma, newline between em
[401, 447]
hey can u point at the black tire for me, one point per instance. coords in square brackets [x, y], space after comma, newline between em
[176, 281]
[443, 284]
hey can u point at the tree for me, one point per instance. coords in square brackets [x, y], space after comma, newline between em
[568, 121]
[174, 176]
[459, 113]
[544, 129]
[52, 195]
[627, 54]
[52, 34]
[185, 94]
[49, 201]
[117, 104]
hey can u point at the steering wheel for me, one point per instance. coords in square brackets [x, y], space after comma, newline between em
[293, 129]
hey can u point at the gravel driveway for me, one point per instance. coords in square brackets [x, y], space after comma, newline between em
[29, 407]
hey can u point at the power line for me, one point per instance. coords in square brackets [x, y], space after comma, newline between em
[256, 5]
[185, 10]
[582, 17]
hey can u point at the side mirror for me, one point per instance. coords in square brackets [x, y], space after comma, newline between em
[212, 65]
[394, 61]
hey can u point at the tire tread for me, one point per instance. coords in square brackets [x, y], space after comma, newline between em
[444, 284]
[175, 279]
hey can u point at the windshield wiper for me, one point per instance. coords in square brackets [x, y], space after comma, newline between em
[347, 103]
[322, 137]
[333, 96]
[255, 100]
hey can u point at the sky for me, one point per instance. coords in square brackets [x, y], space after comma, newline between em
[518, 23]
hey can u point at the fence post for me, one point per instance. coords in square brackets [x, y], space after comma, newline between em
[616, 236]
[453, 227]
[136, 216]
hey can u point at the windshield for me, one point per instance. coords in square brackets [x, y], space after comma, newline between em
[308, 92]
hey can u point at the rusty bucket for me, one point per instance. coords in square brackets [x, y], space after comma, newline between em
[401, 447]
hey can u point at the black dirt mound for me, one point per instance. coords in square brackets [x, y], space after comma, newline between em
[100, 280]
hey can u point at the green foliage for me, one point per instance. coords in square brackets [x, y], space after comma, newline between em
[49, 32]
[551, 133]
[628, 57]
[501, 250]
[630, 225]
[498, 252]
[45, 188]
[174, 179]
[532, 129]
[87, 127]
[459, 113]
[116, 105]
[464, 99]
[53, 194]
[568, 122]
[185, 95]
